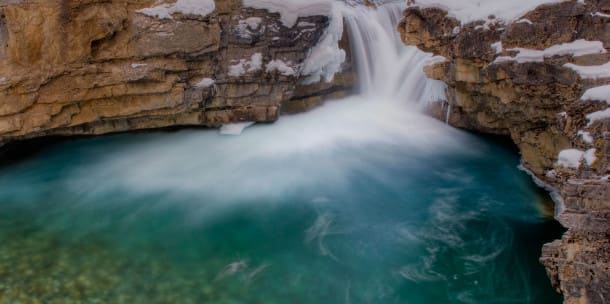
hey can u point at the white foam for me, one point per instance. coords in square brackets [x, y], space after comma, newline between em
[251, 167]
[322, 227]
[235, 128]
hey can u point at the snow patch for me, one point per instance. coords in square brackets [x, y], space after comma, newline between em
[590, 71]
[281, 67]
[205, 83]
[235, 128]
[487, 25]
[138, 65]
[590, 157]
[245, 27]
[186, 7]
[497, 47]
[586, 136]
[435, 60]
[467, 11]
[601, 93]
[244, 66]
[252, 22]
[600, 14]
[305, 24]
[570, 158]
[599, 115]
[524, 20]
[575, 48]
[326, 58]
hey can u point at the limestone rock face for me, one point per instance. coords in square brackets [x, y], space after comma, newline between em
[70, 67]
[537, 103]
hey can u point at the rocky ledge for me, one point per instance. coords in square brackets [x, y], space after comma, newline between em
[80, 67]
[542, 79]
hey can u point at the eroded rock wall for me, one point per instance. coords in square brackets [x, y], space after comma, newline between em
[70, 67]
[538, 103]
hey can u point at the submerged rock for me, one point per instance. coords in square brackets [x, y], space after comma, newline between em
[525, 79]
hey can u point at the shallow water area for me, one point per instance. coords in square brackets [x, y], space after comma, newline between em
[332, 206]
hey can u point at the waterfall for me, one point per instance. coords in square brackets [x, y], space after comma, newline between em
[300, 152]
[385, 66]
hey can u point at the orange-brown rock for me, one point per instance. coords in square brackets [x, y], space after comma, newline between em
[70, 67]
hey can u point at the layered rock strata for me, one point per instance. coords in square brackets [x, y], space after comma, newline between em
[80, 67]
[540, 80]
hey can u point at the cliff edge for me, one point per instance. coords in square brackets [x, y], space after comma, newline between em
[81, 67]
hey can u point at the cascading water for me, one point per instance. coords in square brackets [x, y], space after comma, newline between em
[363, 200]
[386, 67]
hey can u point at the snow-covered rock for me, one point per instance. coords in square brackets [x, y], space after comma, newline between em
[245, 66]
[590, 71]
[599, 115]
[186, 7]
[281, 67]
[570, 158]
[472, 10]
[291, 10]
[575, 48]
[205, 83]
[601, 93]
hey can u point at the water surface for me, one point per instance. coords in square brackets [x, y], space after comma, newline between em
[355, 202]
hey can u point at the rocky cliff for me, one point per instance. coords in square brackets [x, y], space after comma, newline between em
[70, 67]
[542, 80]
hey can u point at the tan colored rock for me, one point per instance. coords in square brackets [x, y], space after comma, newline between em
[95, 66]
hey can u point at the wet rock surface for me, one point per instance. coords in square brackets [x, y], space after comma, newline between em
[94, 67]
[538, 103]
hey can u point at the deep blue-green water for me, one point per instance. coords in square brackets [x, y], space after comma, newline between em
[347, 204]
